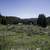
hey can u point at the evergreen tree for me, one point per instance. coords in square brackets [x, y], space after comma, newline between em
[42, 20]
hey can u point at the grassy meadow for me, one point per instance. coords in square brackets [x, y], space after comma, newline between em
[24, 37]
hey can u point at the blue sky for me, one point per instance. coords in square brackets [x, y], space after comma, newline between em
[25, 8]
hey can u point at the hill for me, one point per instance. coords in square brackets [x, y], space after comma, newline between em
[16, 20]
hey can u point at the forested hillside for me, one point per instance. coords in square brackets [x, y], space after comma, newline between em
[16, 20]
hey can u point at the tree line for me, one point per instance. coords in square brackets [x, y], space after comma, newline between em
[40, 21]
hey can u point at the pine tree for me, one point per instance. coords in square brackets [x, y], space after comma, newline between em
[42, 20]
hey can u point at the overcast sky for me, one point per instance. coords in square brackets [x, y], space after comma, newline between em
[25, 8]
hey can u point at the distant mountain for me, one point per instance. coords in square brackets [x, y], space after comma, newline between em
[30, 21]
[12, 19]
[16, 20]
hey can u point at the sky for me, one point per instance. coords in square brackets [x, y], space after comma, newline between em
[25, 8]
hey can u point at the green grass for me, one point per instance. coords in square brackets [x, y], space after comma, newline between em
[24, 37]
